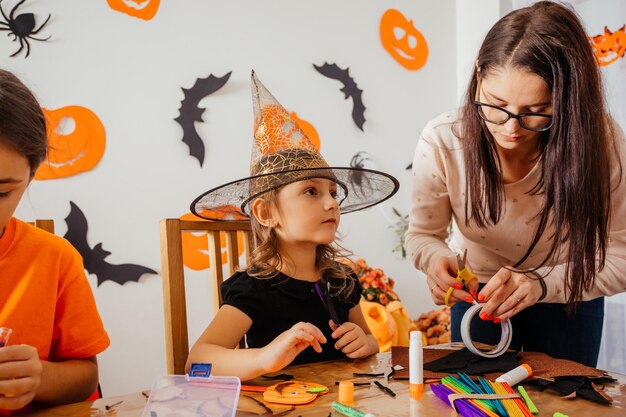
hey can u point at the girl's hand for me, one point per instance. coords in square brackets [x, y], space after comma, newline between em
[20, 376]
[287, 345]
[506, 294]
[352, 340]
[441, 276]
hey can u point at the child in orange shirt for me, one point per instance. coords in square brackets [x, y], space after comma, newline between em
[45, 297]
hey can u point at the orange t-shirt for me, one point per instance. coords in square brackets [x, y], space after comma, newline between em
[45, 296]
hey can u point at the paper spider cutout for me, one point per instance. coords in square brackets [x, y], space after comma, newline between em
[21, 27]
[360, 182]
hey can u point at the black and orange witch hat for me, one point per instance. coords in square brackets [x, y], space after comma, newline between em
[283, 154]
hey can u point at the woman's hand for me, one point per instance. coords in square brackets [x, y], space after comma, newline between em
[287, 345]
[441, 276]
[352, 340]
[506, 294]
[20, 376]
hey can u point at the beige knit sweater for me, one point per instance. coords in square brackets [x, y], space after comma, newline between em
[438, 196]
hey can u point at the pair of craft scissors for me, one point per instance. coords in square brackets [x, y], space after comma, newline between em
[463, 275]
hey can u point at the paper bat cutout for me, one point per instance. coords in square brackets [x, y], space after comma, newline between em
[350, 89]
[189, 112]
[94, 258]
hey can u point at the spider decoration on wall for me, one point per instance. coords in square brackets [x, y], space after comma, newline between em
[21, 27]
[360, 182]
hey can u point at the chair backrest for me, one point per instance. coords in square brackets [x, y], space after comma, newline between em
[45, 224]
[174, 304]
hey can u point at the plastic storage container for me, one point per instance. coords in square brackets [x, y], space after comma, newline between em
[181, 396]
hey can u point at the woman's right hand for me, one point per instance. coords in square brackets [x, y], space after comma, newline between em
[287, 345]
[440, 276]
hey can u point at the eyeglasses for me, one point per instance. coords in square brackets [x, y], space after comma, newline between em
[536, 122]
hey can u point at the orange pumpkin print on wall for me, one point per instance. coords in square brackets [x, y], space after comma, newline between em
[196, 245]
[75, 151]
[309, 130]
[281, 132]
[609, 46]
[142, 9]
[402, 40]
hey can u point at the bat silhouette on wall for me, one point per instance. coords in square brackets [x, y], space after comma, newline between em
[94, 259]
[190, 112]
[22, 27]
[350, 89]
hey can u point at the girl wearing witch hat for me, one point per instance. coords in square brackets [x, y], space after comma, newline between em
[294, 303]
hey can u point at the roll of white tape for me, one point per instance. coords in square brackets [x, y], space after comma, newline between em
[505, 339]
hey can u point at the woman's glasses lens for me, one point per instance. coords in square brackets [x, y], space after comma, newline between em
[499, 116]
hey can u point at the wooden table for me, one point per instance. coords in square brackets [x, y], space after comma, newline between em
[370, 399]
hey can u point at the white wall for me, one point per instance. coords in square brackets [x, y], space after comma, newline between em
[130, 71]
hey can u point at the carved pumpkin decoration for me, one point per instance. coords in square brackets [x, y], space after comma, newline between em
[196, 245]
[309, 130]
[402, 40]
[142, 9]
[280, 131]
[404, 324]
[75, 151]
[381, 324]
[293, 392]
[609, 46]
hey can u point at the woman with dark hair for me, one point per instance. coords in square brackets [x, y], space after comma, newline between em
[46, 303]
[529, 171]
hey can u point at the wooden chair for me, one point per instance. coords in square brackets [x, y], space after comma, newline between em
[174, 304]
[45, 224]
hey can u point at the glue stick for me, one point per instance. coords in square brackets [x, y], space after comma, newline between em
[416, 364]
[516, 375]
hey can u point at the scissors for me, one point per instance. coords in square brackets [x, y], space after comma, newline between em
[464, 276]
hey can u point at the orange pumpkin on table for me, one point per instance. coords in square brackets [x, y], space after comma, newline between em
[402, 40]
[143, 9]
[196, 245]
[70, 153]
[381, 324]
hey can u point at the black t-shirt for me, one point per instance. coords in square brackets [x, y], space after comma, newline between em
[276, 304]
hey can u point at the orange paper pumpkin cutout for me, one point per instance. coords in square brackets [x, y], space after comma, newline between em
[609, 46]
[293, 392]
[402, 40]
[196, 245]
[309, 130]
[280, 131]
[381, 324]
[73, 152]
[143, 9]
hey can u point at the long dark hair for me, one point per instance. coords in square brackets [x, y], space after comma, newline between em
[22, 122]
[549, 40]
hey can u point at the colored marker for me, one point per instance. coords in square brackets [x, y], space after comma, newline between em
[416, 364]
[350, 411]
[529, 403]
